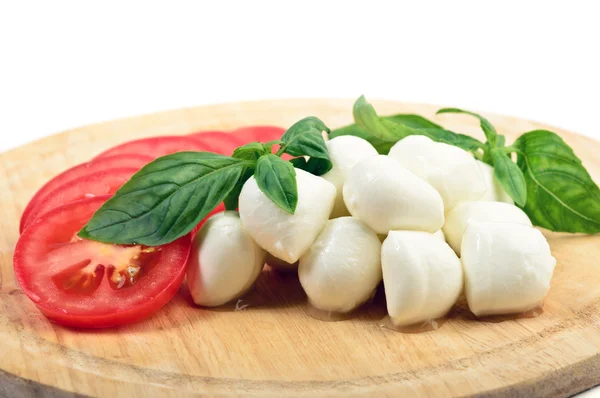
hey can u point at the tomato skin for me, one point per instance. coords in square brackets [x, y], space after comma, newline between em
[100, 183]
[109, 162]
[157, 146]
[259, 133]
[221, 142]
[262, 134]
[48, 245]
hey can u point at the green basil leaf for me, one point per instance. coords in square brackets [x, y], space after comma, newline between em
[301, 126]
[486, 126]
[382, 146]
[384, 132]
[561, 195]
[165, 200]
[277, 179]
[268, 146]
[463, 141]
[312, 165]
[251, 151]
[313, 145]
[299, 163]
[414, 121]
[510, 176]
[305, 138]
[409, 120]
[366, 117]
[231, 201]
[308, 143]
[501, 142]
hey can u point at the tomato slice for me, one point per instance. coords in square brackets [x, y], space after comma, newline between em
[221, 142]
[109, 162]
[157, 146]
[100, 183]
[83, 283]
[259, 133]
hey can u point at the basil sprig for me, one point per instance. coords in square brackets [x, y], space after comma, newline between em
[384, 132]
[168, 197]
[561, 195]
[548, 180]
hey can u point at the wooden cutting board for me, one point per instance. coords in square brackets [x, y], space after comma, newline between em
[270, 346]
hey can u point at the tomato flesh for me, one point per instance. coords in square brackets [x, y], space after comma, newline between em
[100, 183]
[109, 162]
[221, 142]
[157, 146]
[83, 283]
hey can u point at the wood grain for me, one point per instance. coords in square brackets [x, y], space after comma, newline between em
[273, 348]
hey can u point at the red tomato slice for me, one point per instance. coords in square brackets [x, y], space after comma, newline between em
[223, 143]
[109, 162]
[100, 183]
[157, 146]
[259, 133]
[83, 283]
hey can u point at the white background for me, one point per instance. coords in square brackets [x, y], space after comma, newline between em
[65, 64]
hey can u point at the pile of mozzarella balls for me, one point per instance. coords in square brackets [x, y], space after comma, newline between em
[427, 219]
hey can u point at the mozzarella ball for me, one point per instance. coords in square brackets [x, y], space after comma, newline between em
[342, 268]
[225, 261]
[507, 266]
[284, 235]
[453, 172]
[440, 234]
[493, 190]
[281, 265]
[344, 152]
[386, 196]
[459, 218]
[422, 277]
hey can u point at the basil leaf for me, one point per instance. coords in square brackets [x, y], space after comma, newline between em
[308, 143]
[366, 117]
[382, 146]
[165, 200]
[301, 126]
[231, 201]
[299, 163]
[305, 139]
[277, 179]
[510, 176]
[463, 141]
[486, 126]
[501, 141]
[414, 121]
[561, 195]
[312, 165]
[251, 151]
[384, 132]
[268, 146]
